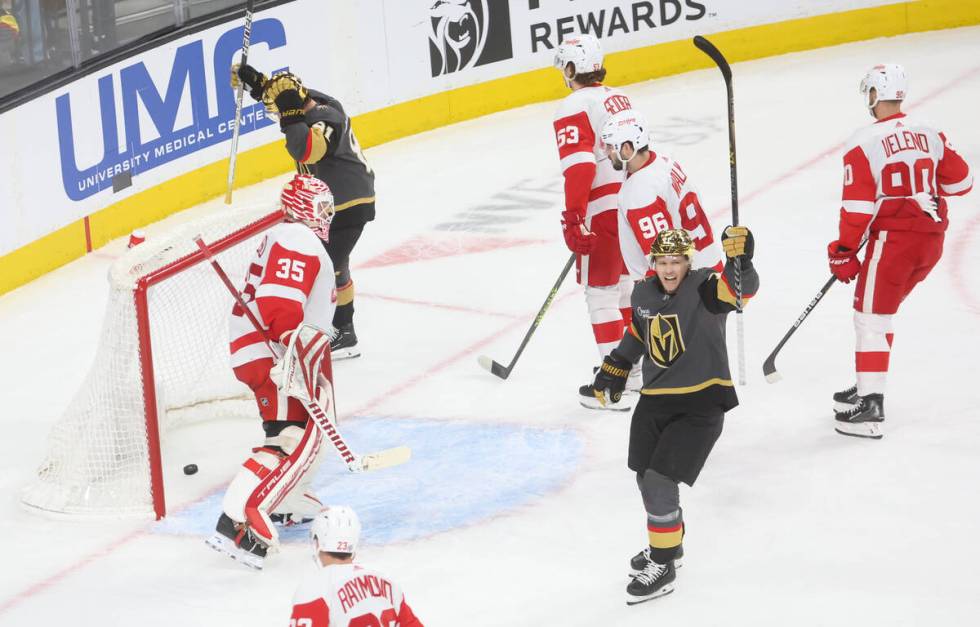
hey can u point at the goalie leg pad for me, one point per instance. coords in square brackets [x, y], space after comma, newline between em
[268, 476]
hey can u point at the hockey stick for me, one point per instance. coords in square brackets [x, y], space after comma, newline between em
[239, 95]
[709, 49]
[503, 372]
[769, 367]
[324, 421]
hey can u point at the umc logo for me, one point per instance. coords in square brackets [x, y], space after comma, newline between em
[150, 109]
[468, 33]
[666, 341]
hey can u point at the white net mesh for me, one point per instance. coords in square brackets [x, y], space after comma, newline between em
[97, 462]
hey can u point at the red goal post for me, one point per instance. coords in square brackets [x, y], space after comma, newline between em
[164, 347]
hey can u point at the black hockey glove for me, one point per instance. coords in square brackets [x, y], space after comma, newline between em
[253, 79]
[610, 379]
[290, 106]
[737, 241]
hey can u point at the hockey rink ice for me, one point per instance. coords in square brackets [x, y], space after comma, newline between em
[517, 508]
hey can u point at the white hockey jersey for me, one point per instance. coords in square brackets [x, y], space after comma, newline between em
[591, 182]
[350, 595]
[659, 196]
[290, 280]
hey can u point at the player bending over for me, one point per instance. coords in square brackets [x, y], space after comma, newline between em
[290, 281]
[341, 593]
[679, 329]
[897, 173]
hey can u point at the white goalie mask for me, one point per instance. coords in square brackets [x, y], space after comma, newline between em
[889, 82]
[335, 529]
[582, 51]
[626, 126]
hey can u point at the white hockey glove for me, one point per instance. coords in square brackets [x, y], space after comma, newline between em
[927, 202]
[297, 373]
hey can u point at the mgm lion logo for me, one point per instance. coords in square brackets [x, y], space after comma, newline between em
[665, 340]
[468, 33]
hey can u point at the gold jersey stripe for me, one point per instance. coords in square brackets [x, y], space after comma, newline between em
[352, 203]
[726, 295]
[690, 388]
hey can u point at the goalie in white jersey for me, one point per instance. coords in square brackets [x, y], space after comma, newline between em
[656, 196]
[290, 282]
[341, 593]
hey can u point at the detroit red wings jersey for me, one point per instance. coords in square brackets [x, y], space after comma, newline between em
[890, 161]
[349, 595]
[290, 280]
[660, 196]
[591, 182]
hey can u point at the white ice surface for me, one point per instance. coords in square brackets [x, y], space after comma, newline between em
[790, 523]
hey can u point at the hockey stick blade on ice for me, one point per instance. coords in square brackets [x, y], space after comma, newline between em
[503, 372]
[769, 367]
[709, 49]
[323, 421]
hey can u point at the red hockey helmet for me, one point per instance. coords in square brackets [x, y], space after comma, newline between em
[307, 199]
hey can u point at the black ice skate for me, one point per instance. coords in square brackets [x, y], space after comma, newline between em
[654, 581]
[586, 396]
[640, 561]
[846, 399]
[234, 540]
[864, 419]
[344, 345]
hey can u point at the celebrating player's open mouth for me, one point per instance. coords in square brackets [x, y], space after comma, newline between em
[671, 270]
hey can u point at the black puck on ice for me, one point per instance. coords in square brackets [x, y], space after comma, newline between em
[190, 469]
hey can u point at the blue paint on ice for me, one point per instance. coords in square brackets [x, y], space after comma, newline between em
[461, 473]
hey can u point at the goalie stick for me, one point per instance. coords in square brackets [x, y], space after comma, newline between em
[709, 49]
[325, 420]
[239, 95]
[502, 371]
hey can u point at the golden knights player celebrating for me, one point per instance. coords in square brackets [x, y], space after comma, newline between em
[319, 137]
[679, 327]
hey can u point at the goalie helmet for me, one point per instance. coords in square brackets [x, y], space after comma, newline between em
[626, 126]
[335, 529]
[307, 199]
[889, 82]
[582, 51]
[672, 242]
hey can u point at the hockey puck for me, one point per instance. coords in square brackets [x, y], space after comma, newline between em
[190, 469]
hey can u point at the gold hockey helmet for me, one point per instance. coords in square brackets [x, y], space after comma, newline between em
[280, 82]
[672, 242]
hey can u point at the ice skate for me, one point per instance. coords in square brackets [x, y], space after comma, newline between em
[640, 561]
[588, 399]
[234, 540]
[864, 419]
[344, 345]
[655, 580]
[845, 400]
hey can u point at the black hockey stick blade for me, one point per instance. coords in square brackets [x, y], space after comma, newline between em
[769, 366]
[709, 49]
[493, 367]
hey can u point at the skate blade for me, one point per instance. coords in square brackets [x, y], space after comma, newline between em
[225, 546]
[351, 352]
[635, 600]
[593, 403]
[870, 430]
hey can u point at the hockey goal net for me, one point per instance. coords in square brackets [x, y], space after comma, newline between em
[164, 346]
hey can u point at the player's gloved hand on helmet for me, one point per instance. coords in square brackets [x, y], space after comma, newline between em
[844, 263]
[578, 239]
[929, 204]
[610, 379]
[288, 97]
[253, 79]
[738, 241]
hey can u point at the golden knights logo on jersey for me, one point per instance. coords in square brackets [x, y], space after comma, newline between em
[665, 340]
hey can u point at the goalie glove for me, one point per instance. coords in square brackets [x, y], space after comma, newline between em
[298, 372]
[610, 380]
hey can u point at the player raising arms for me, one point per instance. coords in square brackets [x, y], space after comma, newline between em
[341, 593]
[320, 139]
[656, 195]
[290, 281]
[897, 173]
[589, 221]
[678, 330]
